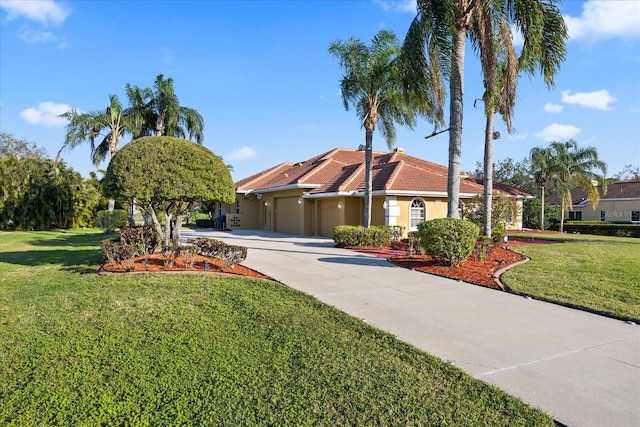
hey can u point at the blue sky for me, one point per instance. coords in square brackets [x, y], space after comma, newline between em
[260, 75]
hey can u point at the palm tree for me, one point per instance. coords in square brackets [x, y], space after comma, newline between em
[541, 161]
[158, 112]
[441, 28]
[572, 167]
[371, 84]
[110, 124]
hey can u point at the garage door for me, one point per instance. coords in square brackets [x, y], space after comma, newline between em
[287, 215]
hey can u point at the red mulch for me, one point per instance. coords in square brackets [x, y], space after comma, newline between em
[479, 272]
[155, 264]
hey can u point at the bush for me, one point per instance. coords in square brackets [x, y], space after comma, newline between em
[114, 251]
[188, 254]
[412, 243]
[230, 255]
[449, 240]
[357, 235]
[601, 228]
[483, 247]
[145, 238]
[204, 223]
[110, 220]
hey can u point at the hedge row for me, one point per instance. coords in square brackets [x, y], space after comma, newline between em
[230, 255]
[603, 229]
[357, 235]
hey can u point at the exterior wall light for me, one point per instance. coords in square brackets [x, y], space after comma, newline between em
[300, 200]
[340, 205]
[266, 203]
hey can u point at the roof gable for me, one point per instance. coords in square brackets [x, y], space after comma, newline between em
[342, 171]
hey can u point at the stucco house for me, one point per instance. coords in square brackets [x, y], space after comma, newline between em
[313, 196]
[620, 203]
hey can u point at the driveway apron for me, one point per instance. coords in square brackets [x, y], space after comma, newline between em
[582, 369]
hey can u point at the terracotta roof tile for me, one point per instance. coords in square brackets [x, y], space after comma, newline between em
[342, 170]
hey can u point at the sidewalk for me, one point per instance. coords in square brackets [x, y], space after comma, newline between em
[582, 369]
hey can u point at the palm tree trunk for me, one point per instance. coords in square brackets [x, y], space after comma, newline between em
[541, 227]
[456, 89]
[368, 181]
[488, 174]
[562, 216]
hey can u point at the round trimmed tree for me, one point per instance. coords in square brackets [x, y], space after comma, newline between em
[168, 175]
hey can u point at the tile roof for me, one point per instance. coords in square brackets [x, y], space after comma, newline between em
[617, 190]
[342, 170]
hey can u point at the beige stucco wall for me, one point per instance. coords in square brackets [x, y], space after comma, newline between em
[615, 210]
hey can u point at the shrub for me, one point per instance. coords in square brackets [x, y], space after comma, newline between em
[483, 247]
[110, 250]
[357, 235]
[413, 244]
[188, 254]
[110, 220]
[145, 238]
[602, 228]
[168, 256]
[449, 240]
[204, 223]
[114, 251]
[230, 255]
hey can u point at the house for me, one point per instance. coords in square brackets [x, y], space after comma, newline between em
[313, 196]
[620, 203]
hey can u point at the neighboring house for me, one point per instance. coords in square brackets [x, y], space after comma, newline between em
[313, 196]
[620, 203]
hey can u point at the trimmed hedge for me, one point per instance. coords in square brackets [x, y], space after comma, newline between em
[449, 240]
[602, 229]
[204, 223]
[230, 255]
[357, 235]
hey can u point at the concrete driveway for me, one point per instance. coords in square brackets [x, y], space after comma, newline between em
[582, 369]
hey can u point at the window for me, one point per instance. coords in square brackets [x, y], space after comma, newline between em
[603, 215]
[635, 216]
[237, 206]
[416, 214]
[577, 215]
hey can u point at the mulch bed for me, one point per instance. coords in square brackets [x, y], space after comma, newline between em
[479, 272]
[153, 263]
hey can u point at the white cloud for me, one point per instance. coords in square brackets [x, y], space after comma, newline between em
[243, 153]
[558, 132]
[605, 19]
[552, 108]
[46, 114]
[516, 37]
[599, 99]
[397, 5]
[47, 12]
[30, 36]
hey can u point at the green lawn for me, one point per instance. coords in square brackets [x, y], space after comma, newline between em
[598, 273]
[81, 349]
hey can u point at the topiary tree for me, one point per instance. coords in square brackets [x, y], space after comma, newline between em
[448, 240]
[168, 175]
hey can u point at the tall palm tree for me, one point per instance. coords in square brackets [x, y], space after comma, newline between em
[541, 161]
[162, 113]
[441, 28]
[371, 84]
[572, 167]
[109, 124]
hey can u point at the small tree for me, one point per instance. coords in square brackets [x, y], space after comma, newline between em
[168, 175]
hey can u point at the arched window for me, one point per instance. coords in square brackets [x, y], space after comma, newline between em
[416, 214]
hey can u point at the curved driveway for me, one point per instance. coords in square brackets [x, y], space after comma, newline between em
[582, 369]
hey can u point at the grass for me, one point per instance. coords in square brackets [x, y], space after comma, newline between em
[597, 273]
[81, 349]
